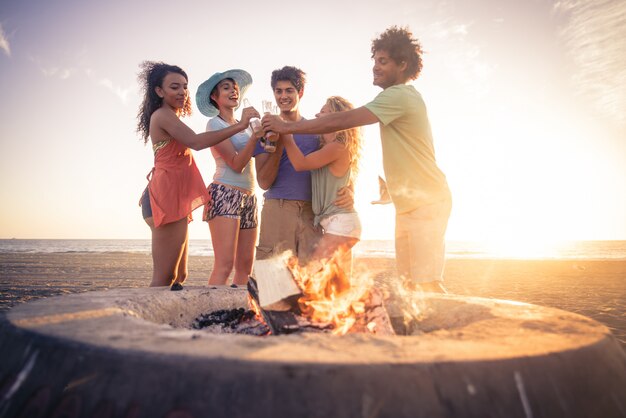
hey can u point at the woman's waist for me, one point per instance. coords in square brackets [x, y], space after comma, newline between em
[331, 211]
[178, 161]
[244, 180]
[323, 210]
[232, 186]
[167, 170]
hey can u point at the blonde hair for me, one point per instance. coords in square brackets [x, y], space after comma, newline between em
[350, 138]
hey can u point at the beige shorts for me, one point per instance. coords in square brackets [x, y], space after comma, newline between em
[287, 225]
[420, 242]
[343, 225]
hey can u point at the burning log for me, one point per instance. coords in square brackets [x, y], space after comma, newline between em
[284, 322]
[374, 319]
[326, 300]
[277, 290]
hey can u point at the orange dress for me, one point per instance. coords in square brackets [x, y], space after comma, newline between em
[175, 184]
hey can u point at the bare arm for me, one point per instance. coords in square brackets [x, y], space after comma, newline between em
[267, 166]
[167, 124]
[332, 122]
[327, 155]
[237, 161]
[320, 158]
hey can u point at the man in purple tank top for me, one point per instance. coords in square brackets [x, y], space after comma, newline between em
[287, 215]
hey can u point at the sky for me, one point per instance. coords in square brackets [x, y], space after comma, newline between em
[527, 102]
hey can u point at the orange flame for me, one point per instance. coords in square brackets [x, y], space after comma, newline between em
[255, 308]
[329, 296]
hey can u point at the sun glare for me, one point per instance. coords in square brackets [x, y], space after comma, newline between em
[525, 248]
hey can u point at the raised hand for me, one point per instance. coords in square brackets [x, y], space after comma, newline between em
[249, 113]
[274, 123]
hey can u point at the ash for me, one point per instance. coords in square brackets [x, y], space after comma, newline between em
[231, 321]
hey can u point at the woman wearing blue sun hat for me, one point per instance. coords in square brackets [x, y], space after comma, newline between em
[232, 216]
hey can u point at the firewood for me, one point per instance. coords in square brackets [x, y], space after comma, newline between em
[278, 322]
[375, 319]
[277, 289]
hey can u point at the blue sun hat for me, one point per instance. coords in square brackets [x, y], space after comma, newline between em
[203, 95]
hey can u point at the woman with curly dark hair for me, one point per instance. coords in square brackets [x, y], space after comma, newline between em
[175, 185]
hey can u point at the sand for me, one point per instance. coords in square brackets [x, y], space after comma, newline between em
[596, 289]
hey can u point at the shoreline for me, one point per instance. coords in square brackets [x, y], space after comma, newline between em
[357, 256]
[593, 288]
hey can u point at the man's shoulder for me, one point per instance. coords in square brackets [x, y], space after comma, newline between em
[395, 102]
[400, 90]
[402, 94]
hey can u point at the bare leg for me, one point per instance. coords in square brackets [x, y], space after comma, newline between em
[246, 245]
[184, 262]
[224, 235]
[168, 246]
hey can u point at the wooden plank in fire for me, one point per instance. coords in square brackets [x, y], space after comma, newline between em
[284, 322]
[278, 291]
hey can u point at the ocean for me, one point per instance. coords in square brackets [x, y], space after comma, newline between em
[571, 250]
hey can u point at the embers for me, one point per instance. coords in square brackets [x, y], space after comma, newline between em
[288, 299]
[231, 321]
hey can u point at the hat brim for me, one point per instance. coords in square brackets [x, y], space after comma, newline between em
[203, 95]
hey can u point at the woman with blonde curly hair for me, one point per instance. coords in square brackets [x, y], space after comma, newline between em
[175, 185]
[333, 166]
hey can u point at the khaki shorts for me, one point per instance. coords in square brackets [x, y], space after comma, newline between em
[420, 242]
[287, 225]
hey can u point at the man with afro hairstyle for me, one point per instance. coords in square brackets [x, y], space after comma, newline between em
[417, 186]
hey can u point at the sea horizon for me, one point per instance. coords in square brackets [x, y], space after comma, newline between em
[568, 250]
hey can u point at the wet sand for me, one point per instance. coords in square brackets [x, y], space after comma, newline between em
[596, 289]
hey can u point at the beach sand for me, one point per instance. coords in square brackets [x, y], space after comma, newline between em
[596, 289]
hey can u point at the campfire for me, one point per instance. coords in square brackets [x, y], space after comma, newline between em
[287, 298]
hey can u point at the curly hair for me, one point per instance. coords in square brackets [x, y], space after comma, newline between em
[296, 76]
[150, 77]
[401, 47]
[350, 138]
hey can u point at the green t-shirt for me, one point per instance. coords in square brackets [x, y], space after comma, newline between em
[324, 188]
[412, 175]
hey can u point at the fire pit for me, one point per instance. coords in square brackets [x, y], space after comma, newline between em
[131, 353]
